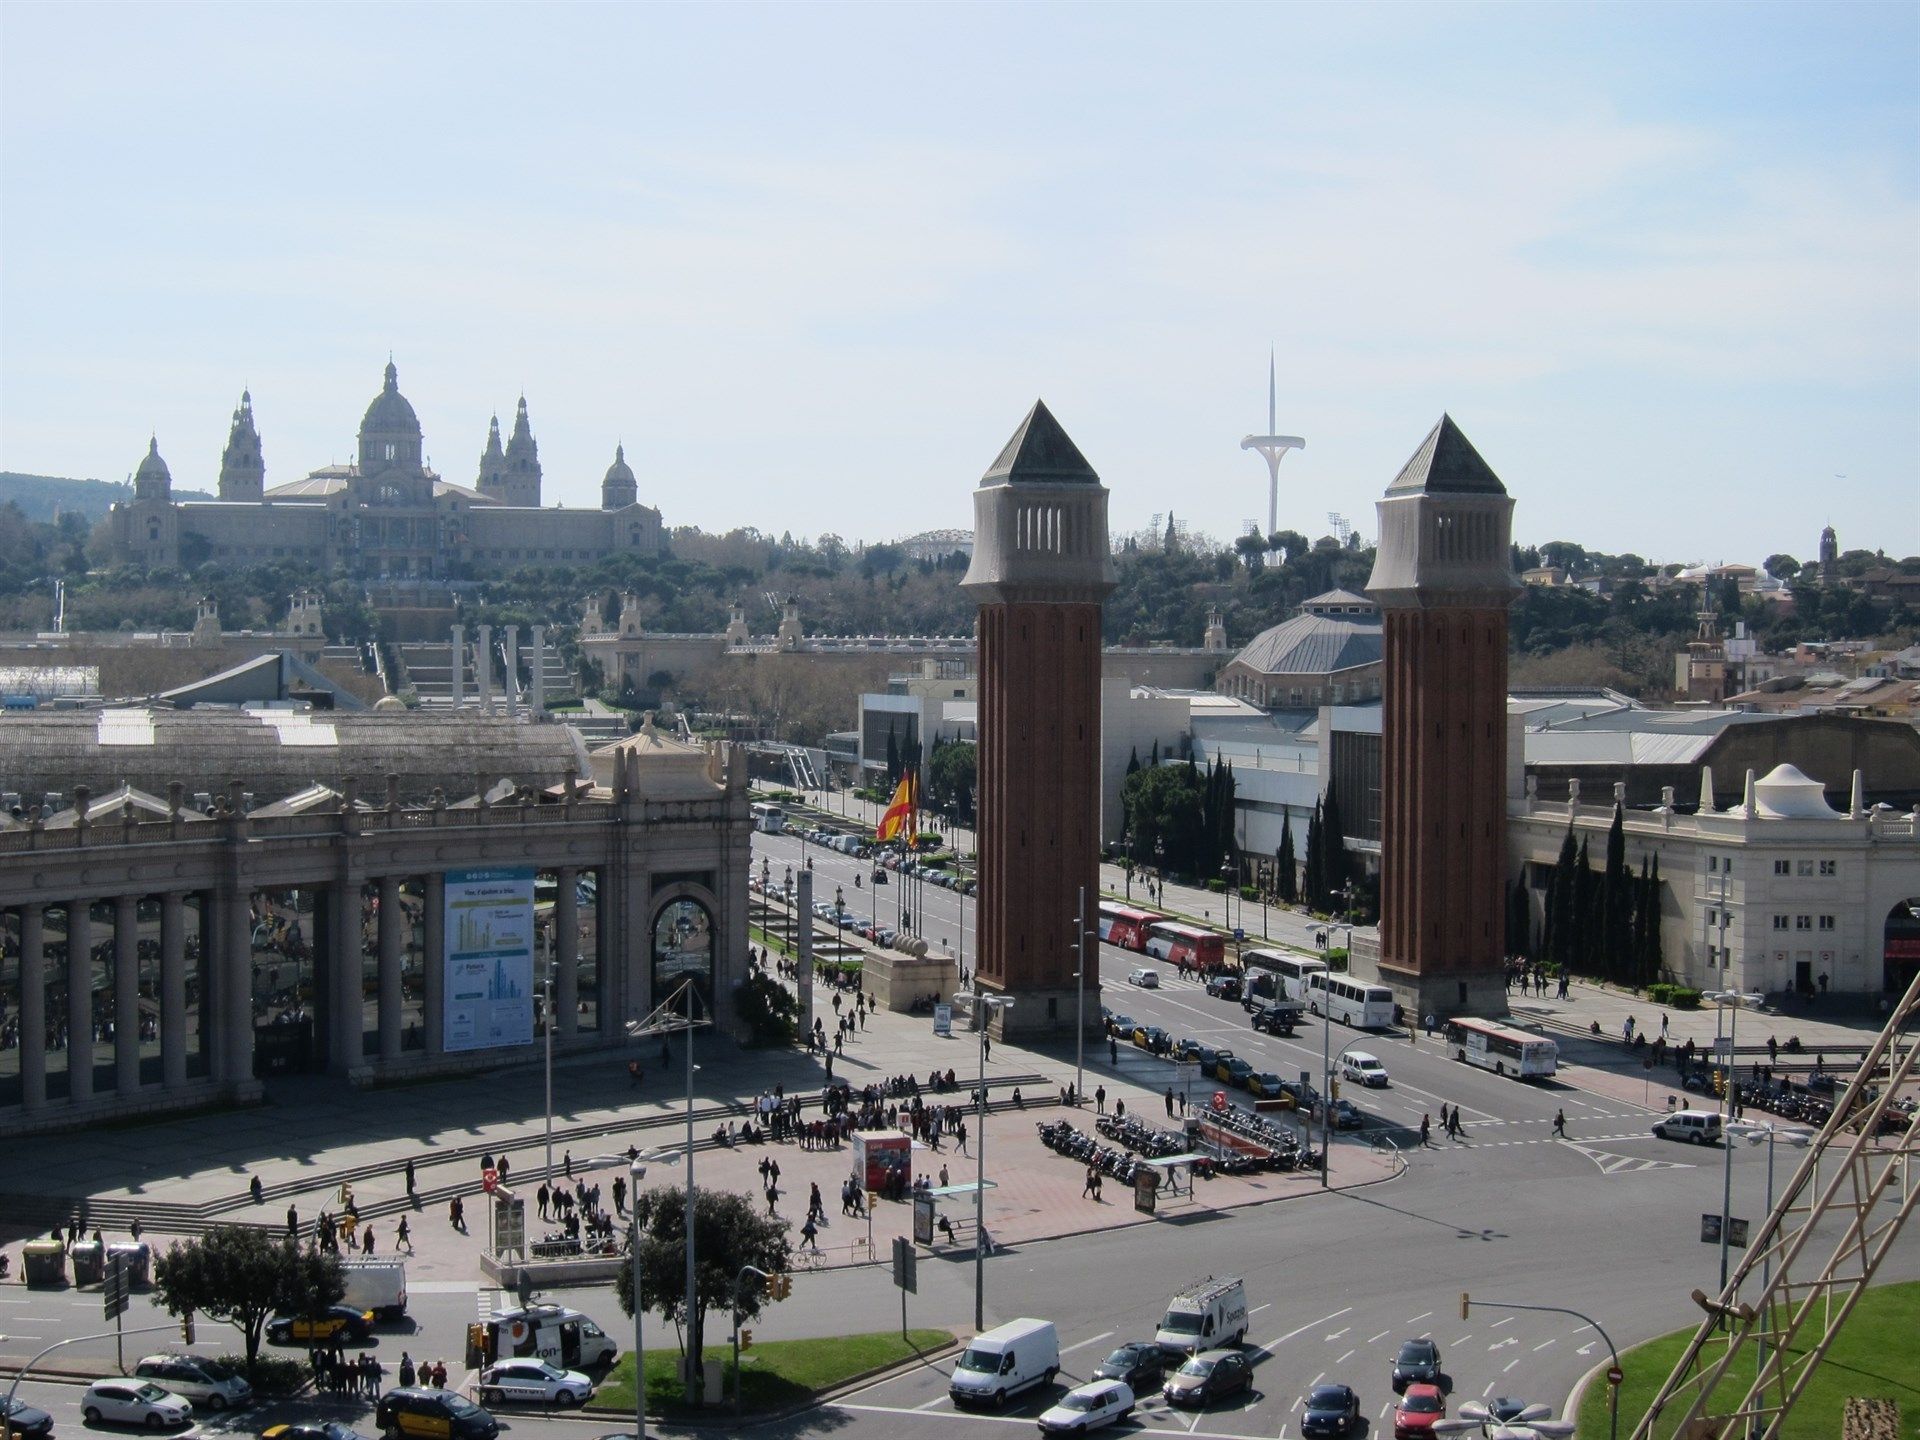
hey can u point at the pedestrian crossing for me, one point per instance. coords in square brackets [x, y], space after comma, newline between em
[1607, 1162]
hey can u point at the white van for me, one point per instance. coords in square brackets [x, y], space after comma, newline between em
[562, 1337]
[1004, 1361]
[376, 1285]
[1362, 1068]
[1208, 1316]
[1700, 1127]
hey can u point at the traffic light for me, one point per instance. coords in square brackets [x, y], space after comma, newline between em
[1463, 1304]
[186, 1327]
[746, 1339]
[1333, 1088]
[1719, 1082]
[779, 1287]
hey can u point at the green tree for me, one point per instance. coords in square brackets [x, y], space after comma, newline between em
[1616, 905]
[1313, 881]
[1288, 880]
[1165, 803]
[1563, 905]
[729, 1232]
[769, 1009]
[1782, 567]
[893, 758]
[1335, 872]
[241, 1274]
[951, 777]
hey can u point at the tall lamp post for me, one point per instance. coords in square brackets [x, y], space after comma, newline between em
[839, 920]
[1754, 1132]
[1723, 1002]
[1326, 1060]
[984, 1005]
[548, 929]
[636, 1162]
[1080, 997]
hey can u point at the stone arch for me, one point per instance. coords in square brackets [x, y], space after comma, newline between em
[683, 939]
[1900, 946]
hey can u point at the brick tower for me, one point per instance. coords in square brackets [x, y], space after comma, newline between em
[1041, 569]
[1444, 578]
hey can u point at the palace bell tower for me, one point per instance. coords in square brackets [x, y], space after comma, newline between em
[1041, 571]
[1444, 578]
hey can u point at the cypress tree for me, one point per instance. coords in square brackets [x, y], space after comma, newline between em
[893, 758]
[1333, 851]
[1288, 880]
[1655, 913]
[1586, 912]
[1616, 904]
[1312, 881]
[1563, 905]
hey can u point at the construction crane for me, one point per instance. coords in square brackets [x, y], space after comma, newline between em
[1805, 1295]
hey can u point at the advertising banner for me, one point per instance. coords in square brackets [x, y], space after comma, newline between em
[489, 959]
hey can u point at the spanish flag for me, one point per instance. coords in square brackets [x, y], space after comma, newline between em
[900, 809]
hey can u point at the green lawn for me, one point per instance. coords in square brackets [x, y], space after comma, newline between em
[1871, 1356]
[777, 1372]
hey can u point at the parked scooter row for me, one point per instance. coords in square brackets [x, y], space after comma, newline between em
[1140, 1137]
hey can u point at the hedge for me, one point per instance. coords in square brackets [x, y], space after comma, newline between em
[1680, 997]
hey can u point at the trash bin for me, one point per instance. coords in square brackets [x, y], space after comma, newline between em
[45, 1262]
[136, 1257]
[89, 1262]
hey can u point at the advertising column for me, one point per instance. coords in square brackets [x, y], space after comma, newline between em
[489, 959]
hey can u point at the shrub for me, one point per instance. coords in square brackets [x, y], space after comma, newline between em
[271, 1375]
[1217, 886]
[769, 1009]
[1249, 892]
[1685, 999]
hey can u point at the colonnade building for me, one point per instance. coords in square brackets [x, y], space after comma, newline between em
[156, 956]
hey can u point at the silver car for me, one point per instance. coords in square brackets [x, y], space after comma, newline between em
[533, 1382]
[210, 1385]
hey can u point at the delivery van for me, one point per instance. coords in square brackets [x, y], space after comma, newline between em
[377, 1285]
[553, 1333]
[1002, 1362]
[1209, 1316]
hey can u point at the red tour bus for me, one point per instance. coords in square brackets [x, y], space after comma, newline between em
[1126, 927]
[1203, 950]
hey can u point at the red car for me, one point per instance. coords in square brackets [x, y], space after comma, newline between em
[1419, 1408]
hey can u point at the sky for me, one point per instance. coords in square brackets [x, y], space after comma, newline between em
[812, 264]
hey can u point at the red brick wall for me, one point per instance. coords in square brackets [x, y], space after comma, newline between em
[1039, 788]
[1444, 755]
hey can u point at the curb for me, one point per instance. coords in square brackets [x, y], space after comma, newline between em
[813, 1401]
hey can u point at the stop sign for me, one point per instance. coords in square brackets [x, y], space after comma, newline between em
[488, 1179]
[1615, 1375]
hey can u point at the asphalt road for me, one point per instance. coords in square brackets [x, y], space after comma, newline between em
[1605, 1222]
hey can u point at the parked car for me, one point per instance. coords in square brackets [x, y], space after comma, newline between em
[1224, 987]
[1346, 1116]
[1185, 1049]
[1222, 1059]
[1146, 979]
[1418, 1363]
[1209, 1056]
[1121, 1025]
[1087, 1407]
[1209, 1376]
[321, 1430]
[341, 1321]
[25, 1419]
[1418, 1409]
[1330, 1410]
[533, 1382]
[1237, 1073]
[1139, 1363]
[1299, 1095]
[1264, 1083]
[134, 1402]
[1155, 1042]
[433, 1415]
[209, 1384]
[1277, 1018]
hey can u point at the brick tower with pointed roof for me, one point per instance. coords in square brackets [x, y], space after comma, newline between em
[1041, 571]
[1443, 577]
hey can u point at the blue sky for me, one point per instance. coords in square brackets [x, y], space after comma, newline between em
[812, 263]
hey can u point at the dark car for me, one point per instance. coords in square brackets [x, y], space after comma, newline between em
[1237, 1073]
[1119, 1026]
[341, 1322]
[1507, 1410]
[1139, 1363]
[1277, 1019]
[1184, 1049]
[24, 1419]
[433, 1415]
[1224, 987]
[1417, 1364]
[1208, 1377]
[316, 1430]
[1155, 1040]
[1330, 1410]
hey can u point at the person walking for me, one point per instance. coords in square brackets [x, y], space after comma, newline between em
[1169, 1102]
[810, 1236]
[457, 1214]
[1113, 1051]
[1426, 1130]
[406, 1371]
[409, 1179]
[960, 1134]
[366, 1240]
[293, 1225]
[1100, 1099]
[566, 1164]
[541, 1197]
[1087, 1189]
[403, 1235]
[1560, 1123]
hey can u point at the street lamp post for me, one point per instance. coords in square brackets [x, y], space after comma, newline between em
[548, 1180]
[1326, 1061]
[1080, 998]
[1723, 1001]
[839, 920]
[1755, 1132]
[983, 1007]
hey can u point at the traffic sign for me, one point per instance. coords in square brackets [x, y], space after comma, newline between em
[1615, 1375]
[489, 1178]
[115, 1294]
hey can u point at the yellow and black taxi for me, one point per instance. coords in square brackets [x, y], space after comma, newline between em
[433, 1415]
[318, 1430]
[336, 1322]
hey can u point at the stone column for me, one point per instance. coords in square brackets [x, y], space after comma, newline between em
[459, 665]
[33, 1007]
[539, 665]
[510, 669]
[79, 1002]
[434, 941]
[344, 979]
[173, 992]
[233, 975]
[391, 997]
[566, 953]
[126, 994]
[483, 668]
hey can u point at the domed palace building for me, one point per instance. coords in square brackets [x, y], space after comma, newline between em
[385, 516]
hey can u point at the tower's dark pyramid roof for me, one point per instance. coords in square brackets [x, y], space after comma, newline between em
[1041, 451]
[1446, 464]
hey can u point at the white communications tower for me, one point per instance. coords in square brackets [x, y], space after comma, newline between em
[1273, 449]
